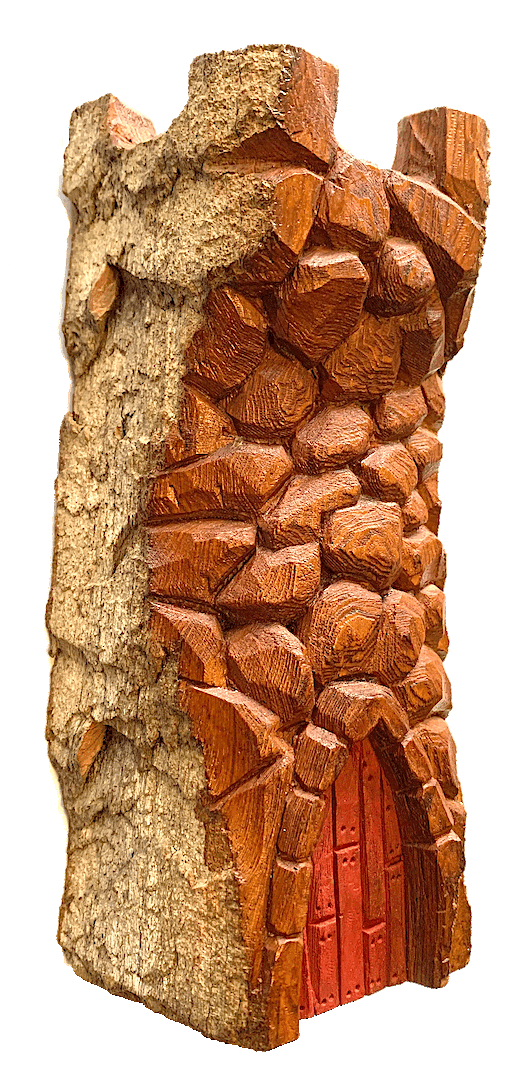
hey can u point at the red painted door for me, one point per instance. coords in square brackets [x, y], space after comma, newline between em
[354, 942]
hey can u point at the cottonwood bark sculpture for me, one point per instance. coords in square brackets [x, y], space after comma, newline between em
[248, 702]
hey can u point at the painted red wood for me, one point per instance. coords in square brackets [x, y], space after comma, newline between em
[323, 959]
[396, 958]
[374, 947]
[358, 871]
[347, 803]
[350, 909]
[374, 892]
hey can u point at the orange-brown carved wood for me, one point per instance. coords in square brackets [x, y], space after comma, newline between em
[276, 325]
[354, 942]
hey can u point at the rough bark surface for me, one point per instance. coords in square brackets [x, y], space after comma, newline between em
[248, 343]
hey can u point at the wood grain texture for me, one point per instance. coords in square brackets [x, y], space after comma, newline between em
[422, 341]
[451, 149]
[191, 561]
[458, 308]
[104, 293]
[451, 238]
[402, 278]
[363, 542]
[354, 210]
[398, 413]
[426, 450]
[340, 629]
[253, 815]
[270, 664]
[423, 688]
[434, 396]
[237, 733]
[389, 472]
[283, 967]
[414, 512]
[274, 399]
[352, 709]
[296, 517]
[366, 364]
[439, 746]
[335, 436]
[301, 824]
[241, 478]
[421, 557]
[428, 490]
[202, 647]
[320, 756]
[127, 128]
[247, 600]
[401, 635]
[295, 127]
[202, 427]
[230, 344]
[289, 899]
[433, 602]
[273, 584]
[295, 196]
[319, 305]
[91, 744]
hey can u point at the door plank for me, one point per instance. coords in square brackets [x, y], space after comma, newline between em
[374, 891]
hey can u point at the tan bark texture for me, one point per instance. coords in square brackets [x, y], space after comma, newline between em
[151, 903]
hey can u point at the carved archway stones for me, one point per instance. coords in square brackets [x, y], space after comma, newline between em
[352, 709]
[435, 872]
[320, 755]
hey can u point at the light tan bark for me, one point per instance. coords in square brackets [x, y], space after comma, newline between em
[150, 908]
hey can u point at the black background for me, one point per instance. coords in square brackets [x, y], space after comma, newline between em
[384, 73]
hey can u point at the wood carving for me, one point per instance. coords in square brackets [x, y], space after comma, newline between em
[248, 702]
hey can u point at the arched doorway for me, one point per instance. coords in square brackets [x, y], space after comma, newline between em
[354, 941]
